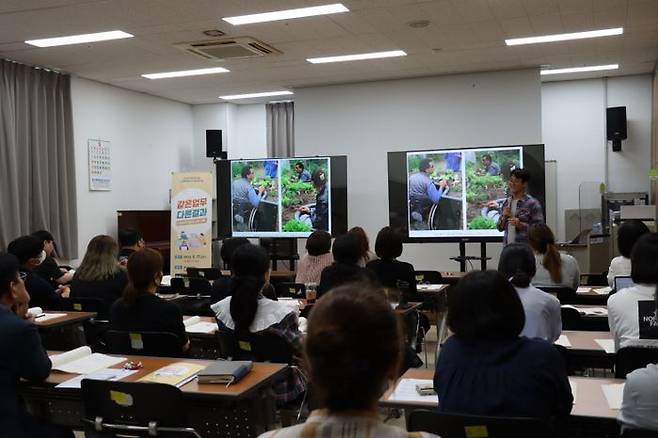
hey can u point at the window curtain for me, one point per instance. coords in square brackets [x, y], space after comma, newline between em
[654, 138]
[37, 167]
[281, 129]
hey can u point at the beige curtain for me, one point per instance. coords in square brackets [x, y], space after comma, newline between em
[37, 167]
[654, 137]
[280, 129]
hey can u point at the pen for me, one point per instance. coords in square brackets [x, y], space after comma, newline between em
[40, 315]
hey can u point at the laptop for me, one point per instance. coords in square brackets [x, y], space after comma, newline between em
[623, 282]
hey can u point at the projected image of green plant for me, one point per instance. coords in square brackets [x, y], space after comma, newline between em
[297, 190]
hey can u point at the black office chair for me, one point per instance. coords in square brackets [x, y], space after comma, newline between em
[121, 409]
[594, 279]
[632, 358]
[466, 426]
[571, 319]
[207, 273]
[428, 277]
[177, 285]
[290, 290]
[199, 286]
[88, 304]
[159, 344]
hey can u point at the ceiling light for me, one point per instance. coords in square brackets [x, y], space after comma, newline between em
[79, 39]
[565, 36]
[558, 71]
[357, 57]
[287, 14]
[251, 95]
[183, 73]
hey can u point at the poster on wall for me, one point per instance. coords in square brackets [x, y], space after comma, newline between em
[100, 165]
[191, 221]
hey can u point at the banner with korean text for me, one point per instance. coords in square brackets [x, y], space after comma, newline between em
[191, 221]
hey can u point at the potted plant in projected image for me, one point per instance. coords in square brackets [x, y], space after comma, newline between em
[297, 191]
[487, 173]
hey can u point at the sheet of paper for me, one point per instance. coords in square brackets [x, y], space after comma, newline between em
[166, 280]
[113, 374]
[574, 389]
[88, 364]
[613, 394]
[607, 344]
[603, 290]
[563, 340]
[430, 287]
[69, 356]
[405, 391]
[191, 321]
[202, 327]
[583, 290]
[35, 311]
[49, 316]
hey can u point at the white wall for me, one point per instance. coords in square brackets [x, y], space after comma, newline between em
[150, 138]
[574, 131]
[366, 120]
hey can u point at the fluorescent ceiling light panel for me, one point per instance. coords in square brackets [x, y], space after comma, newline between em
[559, 71]
[287, 14]
[565, 36]
[183, 73]
[357, 57]
[80, 39]
[252, 95]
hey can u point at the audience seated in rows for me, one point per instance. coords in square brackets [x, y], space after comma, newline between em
[485, 367]
[21, 355]
[629, 232]
[345, 269]
[365, 255]
[392, 273]
[543, 317]
[100, 275]
[247, 311]
[49, 270]
[139, 309]
[318, 257]
[130, 241]
[623, 307]
[554, 269]
[30, 253]
[349, 367]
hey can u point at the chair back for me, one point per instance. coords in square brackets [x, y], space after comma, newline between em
[177, 285]
[199, 286]
[264, 347]
[428, 277]
[629, 359]
[462, 426]
[207, 273]
[593, 279]
[160, 344]
[639, 433]
[88, 304]
[290, 290]
[115, 409]
[571, 319]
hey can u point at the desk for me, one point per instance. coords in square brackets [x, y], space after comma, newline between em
[69, 318]
[452, 277]
[585, 352]
[65, 332]
[243, 409]
[592, 321]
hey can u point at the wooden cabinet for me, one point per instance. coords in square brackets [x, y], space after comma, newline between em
[153, 225]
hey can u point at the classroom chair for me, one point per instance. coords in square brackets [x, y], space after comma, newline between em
[594, 279]
[290, 290]
[639, 433]
[177, 285]
[467, 426]
[199, 286]
[571, 319]
[119, 409]
[632, 358]
[159, 344]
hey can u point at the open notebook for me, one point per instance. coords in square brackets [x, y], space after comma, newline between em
[195, 325]
[83, 361]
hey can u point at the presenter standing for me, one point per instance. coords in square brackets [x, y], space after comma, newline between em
[520, 210]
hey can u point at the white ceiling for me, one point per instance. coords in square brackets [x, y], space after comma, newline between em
[463, 36]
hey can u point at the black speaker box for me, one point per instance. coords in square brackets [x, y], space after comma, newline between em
[616, 126]
[214, 143]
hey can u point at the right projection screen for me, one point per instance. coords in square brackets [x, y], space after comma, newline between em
[452, 194]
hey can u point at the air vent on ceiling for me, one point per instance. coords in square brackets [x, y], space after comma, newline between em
[228, 48]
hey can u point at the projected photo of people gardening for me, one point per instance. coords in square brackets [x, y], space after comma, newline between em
[255, 195]
[305, 195]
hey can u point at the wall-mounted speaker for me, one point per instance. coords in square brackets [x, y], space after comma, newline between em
[214, 144]
[616, 126]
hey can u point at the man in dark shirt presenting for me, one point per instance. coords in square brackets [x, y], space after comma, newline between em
[29, 252]
[130, 241]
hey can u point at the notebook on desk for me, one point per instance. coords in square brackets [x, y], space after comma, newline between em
[225, 372]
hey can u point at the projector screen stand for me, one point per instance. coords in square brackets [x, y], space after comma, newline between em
[462, 258]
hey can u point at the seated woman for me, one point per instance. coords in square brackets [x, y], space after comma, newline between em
[349, 367]
[623, 306]
[629, 232]
[543, 317]
[554, 269]
[139, 309]
[485, 368]
[345, 269]
[247, 311]
[100, 275]
[365, 255]
[392, 273]
[49, 270]
[318, 246]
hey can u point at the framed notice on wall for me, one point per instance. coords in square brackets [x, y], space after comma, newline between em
[100, 165]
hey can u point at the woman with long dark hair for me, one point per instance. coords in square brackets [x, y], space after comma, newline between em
[554, 269]
[247, 311]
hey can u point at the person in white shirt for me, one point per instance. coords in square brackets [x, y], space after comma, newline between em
[543, 318]
[350, 368]
[623, 306]
[627, 235]
[554, 269]
[639, 406]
